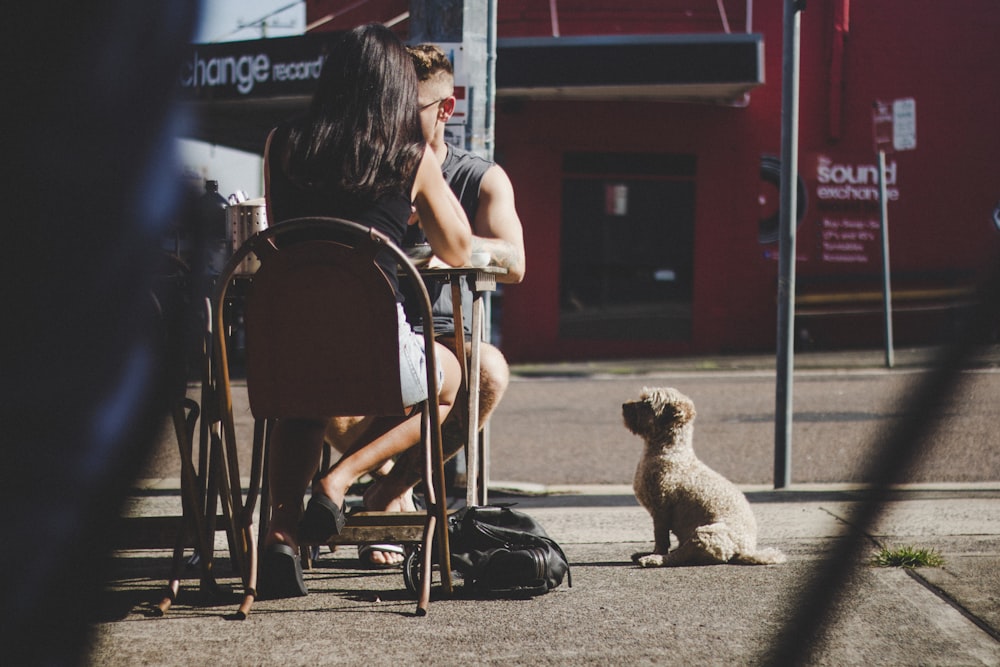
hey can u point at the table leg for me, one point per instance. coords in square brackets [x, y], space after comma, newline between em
[474, 489]
[470, 371]
[459, 335]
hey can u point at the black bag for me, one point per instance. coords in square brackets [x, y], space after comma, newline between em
[499, 551]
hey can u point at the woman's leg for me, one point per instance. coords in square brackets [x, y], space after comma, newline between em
[342, 433]
[370, 456]
[296, 446]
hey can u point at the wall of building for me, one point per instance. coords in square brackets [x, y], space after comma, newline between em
[944, 194]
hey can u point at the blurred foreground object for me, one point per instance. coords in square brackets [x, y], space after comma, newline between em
[90, 182]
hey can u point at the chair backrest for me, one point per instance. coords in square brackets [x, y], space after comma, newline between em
[321, 322]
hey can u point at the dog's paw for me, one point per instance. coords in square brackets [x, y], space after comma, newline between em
[761, 557]
[650, 560]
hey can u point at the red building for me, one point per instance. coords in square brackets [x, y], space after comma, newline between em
[641, 142]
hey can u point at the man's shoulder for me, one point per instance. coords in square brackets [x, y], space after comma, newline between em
[459, 157]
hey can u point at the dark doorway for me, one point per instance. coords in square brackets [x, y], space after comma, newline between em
[627, 246]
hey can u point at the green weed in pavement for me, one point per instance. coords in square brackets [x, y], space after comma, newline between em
[907, 556]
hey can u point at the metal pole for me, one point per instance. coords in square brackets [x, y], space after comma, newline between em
[886, 280]
[491, 92]
[786, 245]
[491, 82]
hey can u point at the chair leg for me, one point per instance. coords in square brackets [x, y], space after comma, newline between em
[211, 503]
[437, 510]
[265, 483]
[257, 489]
[224, 492]
[424, 599]
[192, 522]
[437, 501]
[251, 587]
[241, 538]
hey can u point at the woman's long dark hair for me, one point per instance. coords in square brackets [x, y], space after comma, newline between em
[361, 135]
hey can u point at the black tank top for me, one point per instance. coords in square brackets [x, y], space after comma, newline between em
[388, 214]
[464, 172]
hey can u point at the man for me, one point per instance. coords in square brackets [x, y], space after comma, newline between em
[487, 196]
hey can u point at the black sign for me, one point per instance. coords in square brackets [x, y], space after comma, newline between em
[253, 69]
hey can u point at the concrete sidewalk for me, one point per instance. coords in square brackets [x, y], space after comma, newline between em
[615, 613]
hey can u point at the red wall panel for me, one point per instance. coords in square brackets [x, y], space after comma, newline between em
[943, 55]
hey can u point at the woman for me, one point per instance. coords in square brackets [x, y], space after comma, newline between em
[358, 153]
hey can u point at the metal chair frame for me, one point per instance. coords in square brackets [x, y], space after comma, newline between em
[320, 234]
[196, 526]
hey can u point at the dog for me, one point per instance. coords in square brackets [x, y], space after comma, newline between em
[710, 517]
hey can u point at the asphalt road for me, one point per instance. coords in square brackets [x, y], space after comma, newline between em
[567, 429]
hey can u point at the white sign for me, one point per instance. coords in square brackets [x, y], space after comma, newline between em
[881, 125]
[904, 124]
[455, 130]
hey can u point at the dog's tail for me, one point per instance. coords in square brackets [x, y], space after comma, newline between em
[760, 557]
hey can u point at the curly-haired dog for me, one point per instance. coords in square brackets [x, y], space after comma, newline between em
[710, 517]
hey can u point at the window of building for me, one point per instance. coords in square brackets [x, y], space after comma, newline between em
[627, 246]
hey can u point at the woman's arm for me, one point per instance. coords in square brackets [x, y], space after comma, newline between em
[441, 216]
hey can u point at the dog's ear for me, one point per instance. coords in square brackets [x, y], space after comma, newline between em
[638, 416]
[685, 411]
[677, 411]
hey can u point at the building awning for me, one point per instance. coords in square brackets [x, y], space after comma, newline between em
[235, 92]
[242, 124]
[718, 68]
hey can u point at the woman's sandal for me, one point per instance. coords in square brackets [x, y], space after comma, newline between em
[280, 574]
[322, 520]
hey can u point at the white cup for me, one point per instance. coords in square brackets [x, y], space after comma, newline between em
[480, 259]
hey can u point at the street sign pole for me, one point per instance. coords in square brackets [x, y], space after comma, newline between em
[894, 128]
[886, 276]
[784, 360]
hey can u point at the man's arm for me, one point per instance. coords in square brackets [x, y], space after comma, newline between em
[497, 228]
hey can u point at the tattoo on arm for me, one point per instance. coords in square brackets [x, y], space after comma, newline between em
[504, 253]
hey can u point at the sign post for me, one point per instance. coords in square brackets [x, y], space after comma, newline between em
[895, 129]
[883, 218]
[785, 355]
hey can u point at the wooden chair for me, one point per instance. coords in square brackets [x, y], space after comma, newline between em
[322, 341]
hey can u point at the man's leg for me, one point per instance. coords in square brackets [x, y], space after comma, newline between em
[494, 377]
